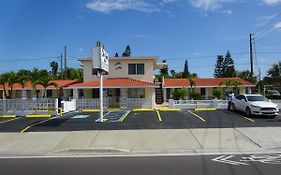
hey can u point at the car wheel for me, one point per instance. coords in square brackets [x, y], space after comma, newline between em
[233, 107]
[248, 112]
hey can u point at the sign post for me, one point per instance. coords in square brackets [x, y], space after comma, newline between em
[100, 61]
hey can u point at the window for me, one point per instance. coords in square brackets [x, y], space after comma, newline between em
[136, 93]
[203, 91]
[136, 69]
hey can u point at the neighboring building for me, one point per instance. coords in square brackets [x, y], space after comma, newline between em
[129, 83]
[28, 91]
[203, 86]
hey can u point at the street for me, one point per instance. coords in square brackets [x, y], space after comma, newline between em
[164, 165]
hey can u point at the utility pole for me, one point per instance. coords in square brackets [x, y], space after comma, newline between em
[61, 66]
[65, 68]
[251, 53]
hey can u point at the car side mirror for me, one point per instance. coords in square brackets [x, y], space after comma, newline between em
[269, 100]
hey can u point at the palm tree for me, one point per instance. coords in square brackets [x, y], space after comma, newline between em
[46, 82]
[231, 83]
[22, 80]
[192, 83]
[11, 80]
[3, 81]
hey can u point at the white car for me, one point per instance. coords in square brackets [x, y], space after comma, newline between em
[253, 104]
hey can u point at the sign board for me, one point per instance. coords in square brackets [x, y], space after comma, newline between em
[100, 58]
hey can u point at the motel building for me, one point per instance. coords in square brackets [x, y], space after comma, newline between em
[129, 84]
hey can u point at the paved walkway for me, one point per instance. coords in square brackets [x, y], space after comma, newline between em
[211, 140]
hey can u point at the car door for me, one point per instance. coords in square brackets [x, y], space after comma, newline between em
[243, 103]
[237, 102]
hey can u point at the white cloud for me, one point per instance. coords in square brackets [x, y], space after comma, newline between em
[107, 6]
[271, 2]
[278, 26]
[209, 5]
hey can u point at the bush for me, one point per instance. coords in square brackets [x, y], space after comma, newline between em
[218, 93]
[195, 96]
[179, 93]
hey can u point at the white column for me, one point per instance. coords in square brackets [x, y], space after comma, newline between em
[153, 98]
[123, 98]
[23, 94]
[75, 93]
[164, 94]
[206, 93]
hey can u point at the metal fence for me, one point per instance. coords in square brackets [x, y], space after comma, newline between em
[21, 107]
[93, 103]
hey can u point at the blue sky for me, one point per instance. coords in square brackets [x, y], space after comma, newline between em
[33, 32]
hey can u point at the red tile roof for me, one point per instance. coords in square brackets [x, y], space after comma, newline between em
[117, 82]
[28, 85]
[201, 82]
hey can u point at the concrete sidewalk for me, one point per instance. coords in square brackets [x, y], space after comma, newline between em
[211, 140]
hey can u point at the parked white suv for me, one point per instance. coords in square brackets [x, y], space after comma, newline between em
[253, 104]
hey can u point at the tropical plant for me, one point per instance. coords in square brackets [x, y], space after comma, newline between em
[11, 80]
[54, 66]
[45, 82]
[248, 76]
[230, 83]
[217, 92]
[3, 81]
[179, 93]
[22, 80]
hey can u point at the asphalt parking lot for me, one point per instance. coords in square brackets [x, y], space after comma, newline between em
[124, 120]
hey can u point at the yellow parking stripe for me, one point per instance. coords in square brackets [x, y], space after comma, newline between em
[246, 118]
[158, 115]
[169, 109]
[124, 116]
[8, 116]
[205, 109]
[90, 110]
[34, 124]
[199, 117]
[9, 120]
[143, 110]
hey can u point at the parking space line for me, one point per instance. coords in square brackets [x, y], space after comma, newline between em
[34, 124]
[159, 116]
[124, 116]
[246, 118]
[196, 115]
[9, 120]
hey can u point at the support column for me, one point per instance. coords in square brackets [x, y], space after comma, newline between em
[153, 98]
[64, 91]
[123, 98]
[206, 93]
[23, 94]
[75, 93]
[164, 94]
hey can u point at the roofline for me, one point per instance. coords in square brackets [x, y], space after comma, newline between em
[113, 87]
[205, 86]
[124, 58]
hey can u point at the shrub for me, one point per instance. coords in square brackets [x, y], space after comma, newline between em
[218, 93]
[179, 93]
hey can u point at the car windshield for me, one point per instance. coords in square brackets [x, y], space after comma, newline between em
[256, 98]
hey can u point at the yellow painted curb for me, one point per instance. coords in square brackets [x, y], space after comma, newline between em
[90, 110]
[38, 116]
[143, 110]
[7, 116]
[169, 109]
[113, 109]
[205, 109]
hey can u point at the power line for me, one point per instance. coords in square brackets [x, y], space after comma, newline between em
[269, 22]
[24, 59]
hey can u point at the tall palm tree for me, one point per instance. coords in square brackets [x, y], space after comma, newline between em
[46, 82]
[192, 83]
[11, 80]
[3, 81]
[22, 80]
[230, 83]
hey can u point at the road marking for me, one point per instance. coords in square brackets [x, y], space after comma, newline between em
[246, 118]
[225, 159]
[80, 116]
[199, 117]
[124, 116]
[159, 116]
[9, 120]
[34, 124]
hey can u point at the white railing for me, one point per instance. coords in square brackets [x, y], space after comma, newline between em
[138, 103]
[22, 107]
[68, 106]
[191, 104]
[93, 103]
